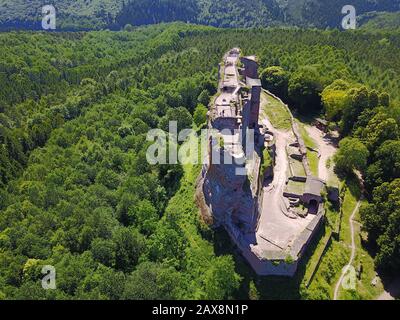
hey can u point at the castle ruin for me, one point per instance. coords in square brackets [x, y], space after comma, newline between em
[256, 182]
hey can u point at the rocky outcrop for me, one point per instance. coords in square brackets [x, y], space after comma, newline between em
[228, 196]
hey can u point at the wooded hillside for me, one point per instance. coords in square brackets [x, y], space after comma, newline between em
[76, 189]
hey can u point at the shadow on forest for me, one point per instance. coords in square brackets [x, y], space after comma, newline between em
[264, 287]
[391, 285]
[305, 119]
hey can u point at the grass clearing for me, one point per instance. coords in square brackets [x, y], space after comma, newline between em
[266, 161]
[319, 251]
[328, 273]
[295, 187]
[314, 162]
[329, 269]
[297, 168]
[352, 195]
[276, 112]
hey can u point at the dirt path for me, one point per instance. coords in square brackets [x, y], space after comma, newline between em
[353, 251]
[326, 151]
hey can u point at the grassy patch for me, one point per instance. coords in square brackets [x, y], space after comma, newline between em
[266, 161]
[276, 112]
[297, 168]
[295, 187]
[328, 273]
[308, 141]
[183, 205]
[319, 251]
[314, 162]
[332, 214]
[365, 290]
[350, 200]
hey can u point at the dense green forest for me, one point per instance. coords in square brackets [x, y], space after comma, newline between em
[77, 192]
[380, 20]
[116, 14]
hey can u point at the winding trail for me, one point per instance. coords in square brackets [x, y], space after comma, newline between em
[353, 251]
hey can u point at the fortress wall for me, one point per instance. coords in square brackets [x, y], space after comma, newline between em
[263, 267]
[255, 106]
[268, 267]
[256, 188]
[303, 241]
[250, 68]
[246, 111]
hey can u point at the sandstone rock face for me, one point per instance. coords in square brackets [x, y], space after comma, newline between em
[229, 197]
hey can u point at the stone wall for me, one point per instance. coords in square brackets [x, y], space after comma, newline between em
[250, 68]
[255, 106]
[228, 198]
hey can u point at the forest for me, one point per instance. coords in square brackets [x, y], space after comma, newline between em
[76, 191]
[79, 15]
